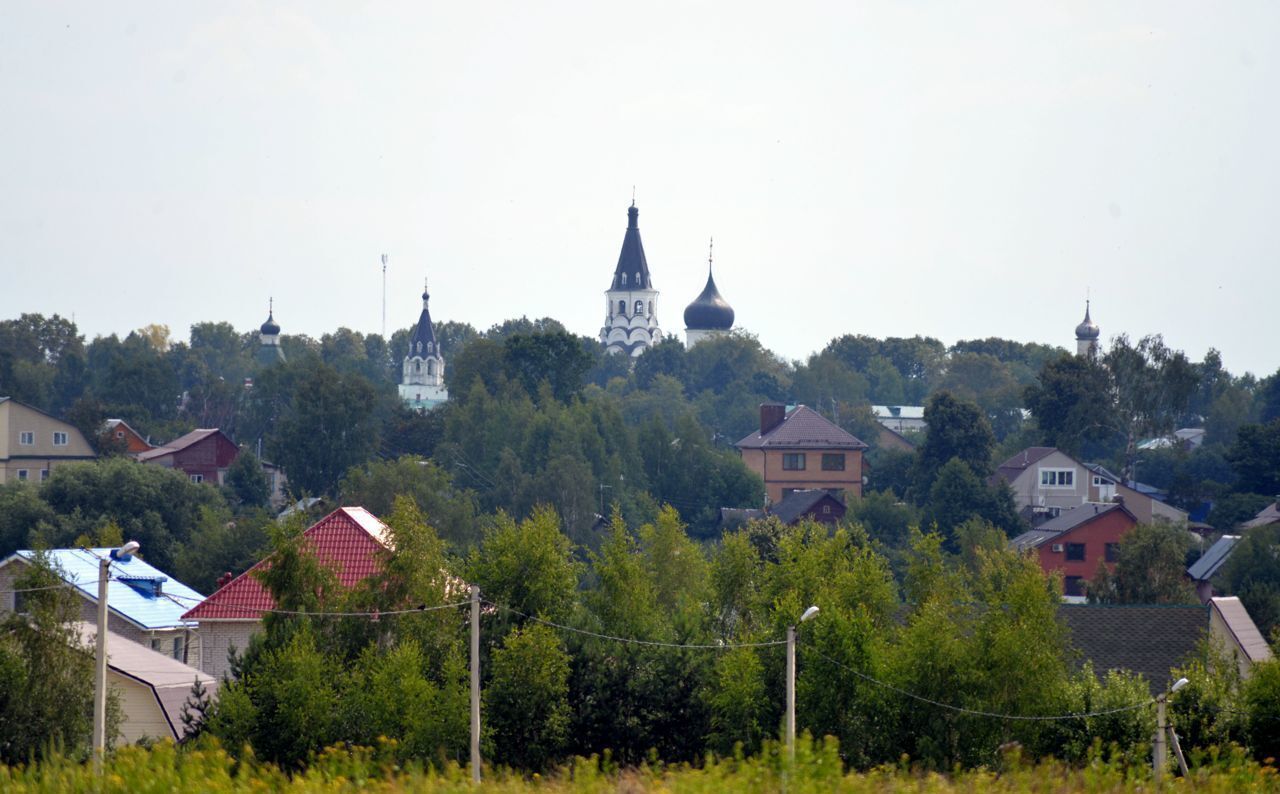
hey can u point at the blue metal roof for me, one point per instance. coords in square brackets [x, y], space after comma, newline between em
[1213, 558]
[138, 603]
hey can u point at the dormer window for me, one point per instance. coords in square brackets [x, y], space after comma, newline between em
[639, 283]
[430, 346]
[419, 348]
[624, 279]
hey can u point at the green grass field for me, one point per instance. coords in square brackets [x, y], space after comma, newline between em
[164, 768]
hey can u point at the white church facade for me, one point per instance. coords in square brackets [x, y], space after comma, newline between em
[422, 380]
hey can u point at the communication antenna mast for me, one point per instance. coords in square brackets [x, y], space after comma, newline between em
[384, 296]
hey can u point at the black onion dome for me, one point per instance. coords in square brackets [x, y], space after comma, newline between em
[270, 327]
[709, 311]
[1087, 329]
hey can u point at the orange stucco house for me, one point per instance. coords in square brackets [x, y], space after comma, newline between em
[798, 449]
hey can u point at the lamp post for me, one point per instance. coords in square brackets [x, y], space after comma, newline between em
[791, 682]
[1158, 749]
[100, 658]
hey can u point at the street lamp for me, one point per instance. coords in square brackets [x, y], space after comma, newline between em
[121, 554]
[1163, 731]
[809, 613]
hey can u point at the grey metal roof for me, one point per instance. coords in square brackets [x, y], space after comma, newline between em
[1077, 516]
[803, 428]
[1103, 471]
[797, 503]
[709, 311]
[1014, 466]
[1032, 539]
[1242, 628]
[1268, 515]
[1087, 329]
[631, 259]
[1145, 639]
[1213, 558]
[424, 334]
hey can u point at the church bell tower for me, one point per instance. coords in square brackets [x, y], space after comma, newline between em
[631, 319]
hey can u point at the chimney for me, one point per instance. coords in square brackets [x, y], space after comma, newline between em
[771, 415]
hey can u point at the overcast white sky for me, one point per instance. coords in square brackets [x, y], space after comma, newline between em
[952, 169]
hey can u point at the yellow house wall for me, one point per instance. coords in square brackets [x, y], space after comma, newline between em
[141, 713]
[768, 464]
[14, 419]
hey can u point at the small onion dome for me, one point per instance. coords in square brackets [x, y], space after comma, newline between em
[709, 311]
[270, 328]
[1087, 329]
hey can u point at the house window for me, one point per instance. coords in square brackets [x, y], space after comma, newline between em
[197, 478]
[59, 439]
[793, 461]
[44, 475]
[622, 307]
[1099, 481]
[833, 462]
[650, 307]
[826, 510]
[22, 475]
[639, 307]
[1113, 552]
[1073, 586]
[1075, 552]
[119, 434]
[27, 438]
[1057, 478]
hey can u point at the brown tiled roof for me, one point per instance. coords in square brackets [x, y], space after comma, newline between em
[803, 428]
[180, 443]
[347, 541]
[1011, 468]
[1145, 639]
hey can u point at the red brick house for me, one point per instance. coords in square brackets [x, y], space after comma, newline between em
[202, 455]
[1077, 540]
[798, 449]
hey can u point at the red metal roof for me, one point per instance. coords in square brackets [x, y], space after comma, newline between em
[347, 541]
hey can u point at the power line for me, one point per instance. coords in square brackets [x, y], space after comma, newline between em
[978, 712]
[723, 646]
[374, 614]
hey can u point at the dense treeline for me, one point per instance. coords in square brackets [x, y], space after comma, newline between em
[578, 489]
[975, 630]
[539, 416]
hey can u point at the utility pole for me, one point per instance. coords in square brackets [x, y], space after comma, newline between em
[100, 670]
[384, 297]
[1158, 747]
[791, 683]
[475, 684]
[791, 693]
[100, 656]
